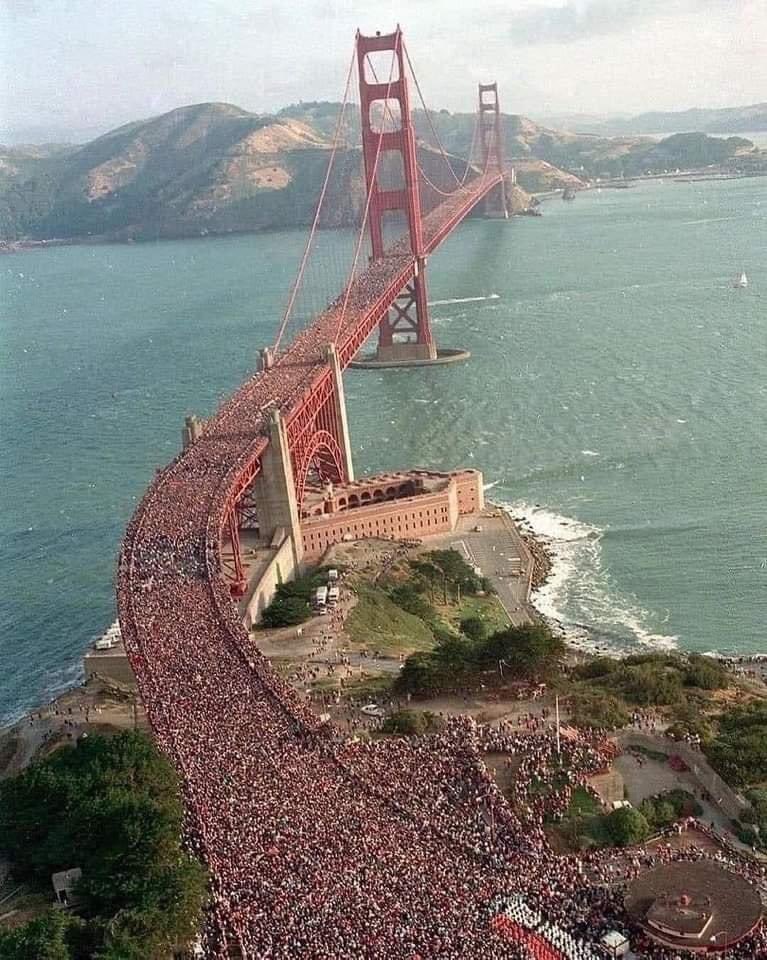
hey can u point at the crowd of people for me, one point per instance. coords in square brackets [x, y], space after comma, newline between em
[319, 846]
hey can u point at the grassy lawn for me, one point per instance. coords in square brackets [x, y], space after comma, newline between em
[583, 824]
[583, 804]
[487, 609]
[376, 623]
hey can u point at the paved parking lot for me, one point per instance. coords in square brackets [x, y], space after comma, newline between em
[500, 553]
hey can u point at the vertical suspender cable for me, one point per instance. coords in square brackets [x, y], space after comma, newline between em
[315, 223]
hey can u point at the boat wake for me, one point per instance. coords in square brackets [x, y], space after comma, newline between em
[579, 595]
[689, 223]
[442, 303]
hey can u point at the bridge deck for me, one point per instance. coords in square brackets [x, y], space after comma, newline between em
[257, 782]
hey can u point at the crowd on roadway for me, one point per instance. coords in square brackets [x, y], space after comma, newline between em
[318, 846]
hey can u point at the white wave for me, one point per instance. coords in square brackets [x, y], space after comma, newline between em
[579, 594]
[493, 483]
[590, 453]
[680, 421]
[443, 303]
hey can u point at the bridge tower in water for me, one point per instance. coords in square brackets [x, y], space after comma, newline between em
[404, 332]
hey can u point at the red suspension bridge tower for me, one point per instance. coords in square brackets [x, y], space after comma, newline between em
[389, 143]
[387, 103]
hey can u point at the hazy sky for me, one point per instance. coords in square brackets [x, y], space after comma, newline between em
[83, 66]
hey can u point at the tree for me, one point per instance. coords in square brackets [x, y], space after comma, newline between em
[626, 827]
[44, 938]
[111, 806]
[410, 600]
[531, 651]
[286, 612]
[474, 628]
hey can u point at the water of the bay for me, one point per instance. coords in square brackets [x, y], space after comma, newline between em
[616, 396]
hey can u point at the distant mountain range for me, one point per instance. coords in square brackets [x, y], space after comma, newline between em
[750, 119]
[214, 168]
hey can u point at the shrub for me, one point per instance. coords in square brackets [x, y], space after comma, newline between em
[473, 628]
[595, 708]
[650, 684]
[286, 612]
[596, 668]
[705, 673]
[626, 827]
[739, 751]
[412, 723]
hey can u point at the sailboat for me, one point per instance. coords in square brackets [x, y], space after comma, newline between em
[741, 281]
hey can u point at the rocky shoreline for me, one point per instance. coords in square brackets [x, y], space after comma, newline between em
[543, 559]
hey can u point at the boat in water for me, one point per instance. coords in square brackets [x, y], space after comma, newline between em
[741, 281]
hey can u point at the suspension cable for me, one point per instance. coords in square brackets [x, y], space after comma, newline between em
[472, 145]
[370, 192]
[315, 222]
[428, 117]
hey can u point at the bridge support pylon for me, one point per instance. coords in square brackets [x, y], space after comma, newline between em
[404, 332]
[491, 143]
[274, 491]
[340, 411]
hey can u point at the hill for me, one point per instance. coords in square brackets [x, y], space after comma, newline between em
[725, 120]
[214, 168]
[203, 169]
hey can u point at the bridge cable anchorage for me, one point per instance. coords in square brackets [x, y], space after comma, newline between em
[363, 225]
[315, 222]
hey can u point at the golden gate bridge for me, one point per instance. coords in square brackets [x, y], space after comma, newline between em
[273, 801]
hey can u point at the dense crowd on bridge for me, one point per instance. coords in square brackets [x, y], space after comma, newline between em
[319, 847]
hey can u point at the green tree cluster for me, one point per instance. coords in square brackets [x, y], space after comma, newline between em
[112, 807]
[528, 652]
[598, 709]
[666, 808]
[654, 679]
[445, 573]
[292, 603]
[407, 596]
[739, 750]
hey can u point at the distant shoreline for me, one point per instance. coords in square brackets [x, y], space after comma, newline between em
[685, 176]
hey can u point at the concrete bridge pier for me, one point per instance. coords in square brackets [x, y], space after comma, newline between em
[341, 417]
[274, 492]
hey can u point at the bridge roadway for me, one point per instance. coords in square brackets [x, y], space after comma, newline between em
[313, 851]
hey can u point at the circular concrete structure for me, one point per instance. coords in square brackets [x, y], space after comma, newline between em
[696, 906]
[443, 356]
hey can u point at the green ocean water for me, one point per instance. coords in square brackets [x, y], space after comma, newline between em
[616, 398]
